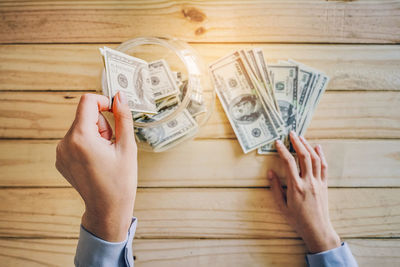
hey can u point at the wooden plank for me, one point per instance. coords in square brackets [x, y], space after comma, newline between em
[196, 252]
[78, 67]
[37, 252]
[254, 252]
[199, 213]
[352, 163]
[201, 21]
[339, 115]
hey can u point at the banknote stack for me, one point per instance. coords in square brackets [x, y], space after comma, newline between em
[154, 91]
[264, 102]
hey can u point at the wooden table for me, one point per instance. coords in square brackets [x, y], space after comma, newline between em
[204, 203]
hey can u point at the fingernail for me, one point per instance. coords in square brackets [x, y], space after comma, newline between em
[278, 143]
[293, 133]
[270, 175]
[302, 138]
[122, 98]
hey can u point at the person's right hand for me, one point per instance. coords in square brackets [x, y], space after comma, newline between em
[305, 203]
[102, 171]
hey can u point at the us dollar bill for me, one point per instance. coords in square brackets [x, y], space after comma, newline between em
[168, 132]
[240, 101]
[306, 77]
[178, 78]
[167, 102]
[284, 79]
[131, 76]
[310, 95]
[194, 107]
[162, 79]
[264, 89]
[304, 84]
[313, 103]
[307, 84]
[265, 73]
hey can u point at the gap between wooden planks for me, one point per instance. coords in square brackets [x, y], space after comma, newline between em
[340, 22]
[339, 115]
[196, 252]
[78, 67]
[352, 163]
[199, 213]
[201, 21]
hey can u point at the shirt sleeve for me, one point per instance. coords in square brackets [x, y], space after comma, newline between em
[94, 251]
[337, 257]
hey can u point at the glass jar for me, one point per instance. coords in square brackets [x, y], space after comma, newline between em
[189, 111]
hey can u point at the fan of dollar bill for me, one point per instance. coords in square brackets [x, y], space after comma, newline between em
[264, 102]
[154, 91]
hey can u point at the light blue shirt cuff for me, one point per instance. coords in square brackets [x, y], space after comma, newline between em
[94, 251]
[337, 257]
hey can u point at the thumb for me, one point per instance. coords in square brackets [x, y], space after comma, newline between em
[124, 134]
[277, 191]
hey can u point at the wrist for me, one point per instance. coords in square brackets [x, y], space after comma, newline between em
[109, 227]
[326, 241]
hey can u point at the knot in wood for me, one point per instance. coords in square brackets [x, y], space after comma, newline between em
[200, 31]
[193, 14]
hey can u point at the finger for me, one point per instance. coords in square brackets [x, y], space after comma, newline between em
[104, 127]
[302, 153]
[124, 134]
[324, 163]
[277, 191]
[315, 159]
[289, 161]
[87, 113]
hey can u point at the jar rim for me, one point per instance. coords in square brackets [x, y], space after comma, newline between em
[188, 57]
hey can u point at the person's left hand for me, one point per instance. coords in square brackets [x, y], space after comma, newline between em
[103, 172]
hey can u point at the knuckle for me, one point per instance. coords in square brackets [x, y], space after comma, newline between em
[315, 160]
[288, 158]
[290, 162]
[125, 116]
[299, 188]
[76, 140]
[285, 158]
[304, 155]
[86, 97]
[324, 164]
[58, 165]
[58, 156]
[314, 188]
[58, 148]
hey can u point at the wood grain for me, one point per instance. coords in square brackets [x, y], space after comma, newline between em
[37, 252]
[255, 252]
[199, 213]
[201, 21]
[196, 252]
[339, 115]
[352, 163]
[78, 67]
[236, 223]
